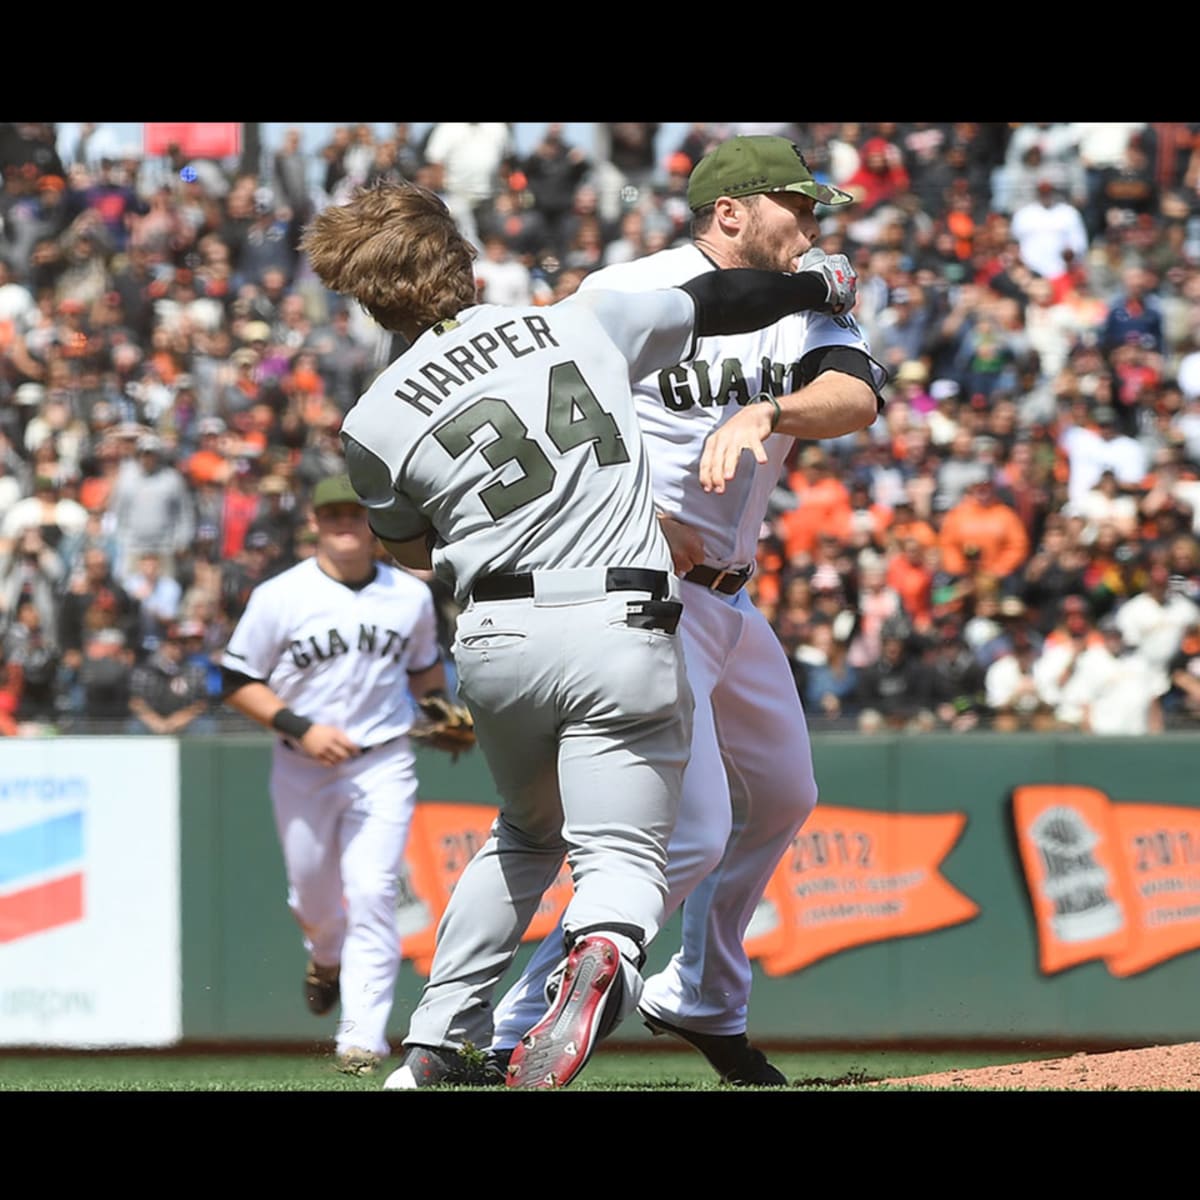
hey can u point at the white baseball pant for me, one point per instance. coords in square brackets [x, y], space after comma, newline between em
[343, 830]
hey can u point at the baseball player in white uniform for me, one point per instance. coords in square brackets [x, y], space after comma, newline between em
[502, 448]
[330, 655]
[749, 784]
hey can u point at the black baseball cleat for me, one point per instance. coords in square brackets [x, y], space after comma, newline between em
[496, 1066]
[321, 990]
[732, 1057]
[556, 1049]
[437, 1066]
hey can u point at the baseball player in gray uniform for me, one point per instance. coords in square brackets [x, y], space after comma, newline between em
[502, 449]
[749, 784]
[329, 655]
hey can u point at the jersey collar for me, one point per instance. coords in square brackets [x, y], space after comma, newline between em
[355, 585]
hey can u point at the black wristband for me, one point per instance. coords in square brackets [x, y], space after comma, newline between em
[291, 724]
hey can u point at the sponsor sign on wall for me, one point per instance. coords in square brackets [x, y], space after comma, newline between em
[89, 892]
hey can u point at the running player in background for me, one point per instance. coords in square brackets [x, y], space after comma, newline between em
[329, 656]
[749, 784]
[502, 449]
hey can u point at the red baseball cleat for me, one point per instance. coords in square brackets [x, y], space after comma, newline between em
[555, 1050]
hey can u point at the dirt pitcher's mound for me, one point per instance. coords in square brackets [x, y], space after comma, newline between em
[1156, 1069]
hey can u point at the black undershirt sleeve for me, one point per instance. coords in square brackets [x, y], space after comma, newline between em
[849, 360]
[741, 299]
[232, 680]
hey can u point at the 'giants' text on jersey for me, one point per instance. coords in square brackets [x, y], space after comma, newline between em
[679, 406]
[344, 652]
[370, 639]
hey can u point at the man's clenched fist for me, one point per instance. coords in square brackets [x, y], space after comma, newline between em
[841, 279]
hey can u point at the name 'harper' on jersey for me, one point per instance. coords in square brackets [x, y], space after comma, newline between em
[474, 360]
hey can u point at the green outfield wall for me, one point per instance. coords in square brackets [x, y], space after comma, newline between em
[949, 888]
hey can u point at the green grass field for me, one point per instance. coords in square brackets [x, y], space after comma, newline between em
[611, 1069]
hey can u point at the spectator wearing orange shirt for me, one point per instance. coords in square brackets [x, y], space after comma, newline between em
[208, 463]
[980, 519]
[304, 388]
[906, 524]
[256, 428]
[824, 505]
[100, 476]
[910, 576]
[765, 581]
[240, 504]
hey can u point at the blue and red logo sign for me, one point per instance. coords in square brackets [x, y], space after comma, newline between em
[41, 875]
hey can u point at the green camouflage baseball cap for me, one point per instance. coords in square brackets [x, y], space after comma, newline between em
[746, 166]
[337, 489]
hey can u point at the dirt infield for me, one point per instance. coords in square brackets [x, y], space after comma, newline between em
[1155, 1069]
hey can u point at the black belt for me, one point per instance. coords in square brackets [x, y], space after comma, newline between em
[616, 579]
[365, 749]
[726, 581]
[380, 745]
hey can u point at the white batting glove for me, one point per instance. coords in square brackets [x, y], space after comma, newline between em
[841, 279]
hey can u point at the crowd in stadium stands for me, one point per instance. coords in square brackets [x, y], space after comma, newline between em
[1015, 544]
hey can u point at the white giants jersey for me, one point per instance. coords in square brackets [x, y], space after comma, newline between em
[682, 403]
[340, 655]
[511, 434]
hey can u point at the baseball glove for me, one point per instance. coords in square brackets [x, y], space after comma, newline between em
[444, 725]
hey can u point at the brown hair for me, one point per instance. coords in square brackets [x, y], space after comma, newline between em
[396, 250]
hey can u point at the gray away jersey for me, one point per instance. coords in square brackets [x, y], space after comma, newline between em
[680, 404]
[489, 428]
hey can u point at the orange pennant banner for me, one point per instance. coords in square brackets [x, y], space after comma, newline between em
[442, 840]
[1162, 853]
[854, 877]
[1108, 881]
[1075, 873]
[851, 877]
[1112, 881]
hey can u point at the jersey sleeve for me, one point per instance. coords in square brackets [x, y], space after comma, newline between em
[255, 645]
[393, 516]
[826, 341]
[652, 330]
